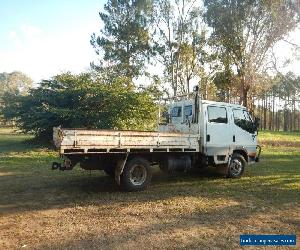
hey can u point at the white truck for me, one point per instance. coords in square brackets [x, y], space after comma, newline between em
[197, 133]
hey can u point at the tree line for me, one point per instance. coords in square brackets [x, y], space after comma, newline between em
[278, 107]
[226, 47]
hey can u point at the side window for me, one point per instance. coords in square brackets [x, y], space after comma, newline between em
[188, 110]
[187, 113]
[176, 112]
[217, 114]
[243, 120]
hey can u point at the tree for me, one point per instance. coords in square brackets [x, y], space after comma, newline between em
[288, 90]
[179, 41]
[246, 31]
[124, 42]
[79, 101]
[278, 103]
[14, 82]
[223, 83]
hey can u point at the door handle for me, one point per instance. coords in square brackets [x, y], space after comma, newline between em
[233, 138]
[207, 138]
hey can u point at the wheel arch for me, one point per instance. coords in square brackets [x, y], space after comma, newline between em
[243, 152]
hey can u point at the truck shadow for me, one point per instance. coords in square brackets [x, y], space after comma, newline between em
[61, 190]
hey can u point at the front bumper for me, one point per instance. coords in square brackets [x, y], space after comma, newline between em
[254, 157]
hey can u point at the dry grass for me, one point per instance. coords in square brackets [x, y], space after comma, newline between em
[41, 209]
[280, 139]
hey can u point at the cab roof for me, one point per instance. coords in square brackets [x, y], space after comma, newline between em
[191, 101]
[223, 104]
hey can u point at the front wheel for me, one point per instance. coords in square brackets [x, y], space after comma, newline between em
[236, 166]
[136, 175]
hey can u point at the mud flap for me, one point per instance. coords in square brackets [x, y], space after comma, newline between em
[259, 151]
[227, 166]
[229, 160]
[119, 169]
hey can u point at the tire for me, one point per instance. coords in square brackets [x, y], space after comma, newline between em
[237, 166]
[136, 175]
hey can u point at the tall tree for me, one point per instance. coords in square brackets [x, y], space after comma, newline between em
[124, 42]
[15, 82]
[246, 31]
[289, 92]
[179, 41]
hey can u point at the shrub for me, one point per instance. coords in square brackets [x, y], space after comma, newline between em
[80, 101]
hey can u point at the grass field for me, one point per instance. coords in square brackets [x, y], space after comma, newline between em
[44, 209]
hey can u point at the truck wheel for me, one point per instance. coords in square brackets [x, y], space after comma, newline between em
[236, 167]
[136, 175]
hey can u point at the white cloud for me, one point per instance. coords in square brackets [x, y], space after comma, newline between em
[30, 31]
[14, 38]
[42, 55]
[12, 34]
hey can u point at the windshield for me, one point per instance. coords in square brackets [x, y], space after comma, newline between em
[243, 120]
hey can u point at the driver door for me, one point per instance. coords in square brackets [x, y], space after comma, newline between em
[244, 132]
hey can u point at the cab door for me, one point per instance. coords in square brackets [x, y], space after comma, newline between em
[218, 133]
[244, 131]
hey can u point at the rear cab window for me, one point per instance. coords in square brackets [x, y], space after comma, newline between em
[188, 113]
[177, 111]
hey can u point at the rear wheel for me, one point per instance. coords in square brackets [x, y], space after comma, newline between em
[236, 166]
[136, 175]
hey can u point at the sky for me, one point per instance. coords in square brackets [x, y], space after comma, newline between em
[43, 38]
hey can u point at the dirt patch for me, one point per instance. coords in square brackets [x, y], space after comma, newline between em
[279, 143]
[6, 173]
[172, 224]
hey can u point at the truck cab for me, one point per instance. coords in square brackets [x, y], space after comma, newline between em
[223, 128]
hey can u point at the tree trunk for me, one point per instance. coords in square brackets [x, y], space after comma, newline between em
[291, 119]
[273, 110]
[245, 96]
[261, 113]
[265, 112]
[276, 121]
[294, 115]
[285, 118]
[270, 114]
